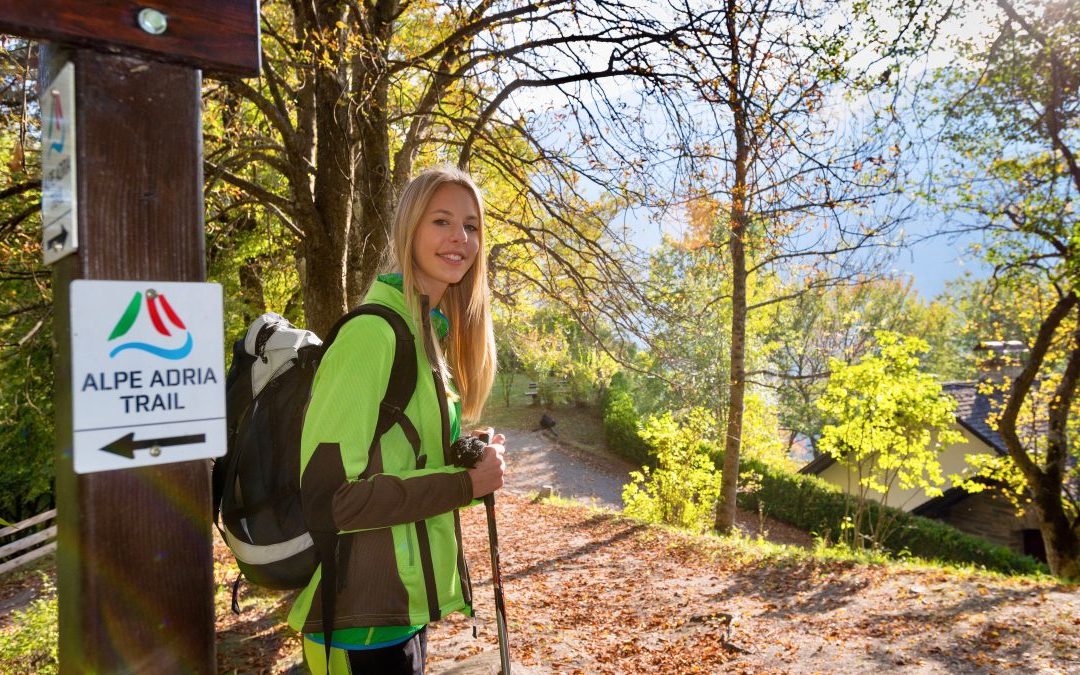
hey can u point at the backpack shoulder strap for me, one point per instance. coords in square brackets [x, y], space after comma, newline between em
[403, 373]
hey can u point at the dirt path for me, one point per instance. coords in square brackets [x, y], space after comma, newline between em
[536, 459]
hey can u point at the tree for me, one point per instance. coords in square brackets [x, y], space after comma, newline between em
[793, 181]
[839, 323]
[355, 96]
[683, 488]
[1011, 110]
[690, 318]
[887, 422]
[26, 382]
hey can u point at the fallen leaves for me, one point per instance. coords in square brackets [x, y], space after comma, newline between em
[590, 592]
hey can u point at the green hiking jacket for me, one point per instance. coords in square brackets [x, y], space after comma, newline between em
[402, 562]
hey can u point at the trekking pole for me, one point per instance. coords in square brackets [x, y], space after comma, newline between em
[496, 582]
[466, 452]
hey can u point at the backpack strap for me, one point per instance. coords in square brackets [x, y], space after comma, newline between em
[238, 396]
[399, 391]
[328, 472]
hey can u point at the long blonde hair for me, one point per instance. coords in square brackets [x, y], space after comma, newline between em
[469, 351]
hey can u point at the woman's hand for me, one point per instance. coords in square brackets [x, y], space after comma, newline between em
[487, 475]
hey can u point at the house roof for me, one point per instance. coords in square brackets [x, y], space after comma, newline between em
[973, 409]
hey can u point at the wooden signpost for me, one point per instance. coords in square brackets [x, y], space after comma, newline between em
[134, 557]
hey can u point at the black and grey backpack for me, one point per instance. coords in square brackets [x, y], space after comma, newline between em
[256, 485]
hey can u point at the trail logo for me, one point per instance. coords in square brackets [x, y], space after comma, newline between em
[156, 304]
[56, 124]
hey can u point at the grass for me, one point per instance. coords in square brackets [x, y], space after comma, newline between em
[29, 644]
[755, 550]
[579, 425]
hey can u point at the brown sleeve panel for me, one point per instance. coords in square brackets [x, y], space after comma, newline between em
[383, 500]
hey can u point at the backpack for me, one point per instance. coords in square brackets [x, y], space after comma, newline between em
[256, 484]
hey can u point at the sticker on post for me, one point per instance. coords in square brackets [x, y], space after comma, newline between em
[59, 193]
[148, 380]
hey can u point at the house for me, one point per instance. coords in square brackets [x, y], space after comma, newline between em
[985, 514]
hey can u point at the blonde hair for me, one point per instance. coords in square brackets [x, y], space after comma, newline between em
[469, 352]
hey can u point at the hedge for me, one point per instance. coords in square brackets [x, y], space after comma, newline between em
[811, 504]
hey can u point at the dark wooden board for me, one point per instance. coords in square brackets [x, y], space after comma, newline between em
[220, 36]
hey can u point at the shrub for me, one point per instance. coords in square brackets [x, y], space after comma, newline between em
[683, 488]
[811, 504]
[621, 424]
[30, 645]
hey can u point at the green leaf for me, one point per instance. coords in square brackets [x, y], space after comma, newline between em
[128, 319]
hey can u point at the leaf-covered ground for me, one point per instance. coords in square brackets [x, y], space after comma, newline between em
[594, 593]
[590, 592]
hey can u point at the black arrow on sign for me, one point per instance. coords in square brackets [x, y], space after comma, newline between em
[59, 240]
[126, 446]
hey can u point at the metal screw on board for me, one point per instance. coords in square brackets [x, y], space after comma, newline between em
[155, 451]
[152, 21]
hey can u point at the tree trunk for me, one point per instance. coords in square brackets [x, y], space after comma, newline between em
[324, 292]
[725, 511]
[1061, 537]
[326, 230]
[375, 197]
[1046, 482]
[1062, 540]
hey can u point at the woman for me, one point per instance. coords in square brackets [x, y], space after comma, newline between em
[399, 561]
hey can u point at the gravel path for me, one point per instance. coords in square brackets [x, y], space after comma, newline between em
[535, 459]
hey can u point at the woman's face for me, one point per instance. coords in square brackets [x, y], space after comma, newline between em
[446, 241]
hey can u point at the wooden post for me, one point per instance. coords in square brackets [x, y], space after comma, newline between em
[135, 570]
[134, 555]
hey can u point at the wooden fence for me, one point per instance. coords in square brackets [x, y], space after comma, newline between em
[33, 544]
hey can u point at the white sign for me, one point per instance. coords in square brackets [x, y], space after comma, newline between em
[147, 373]
[59, 208]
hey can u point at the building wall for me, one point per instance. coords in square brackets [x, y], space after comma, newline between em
[992, 517]
[952, 461]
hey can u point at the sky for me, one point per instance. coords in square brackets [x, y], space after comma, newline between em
[931, 261]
